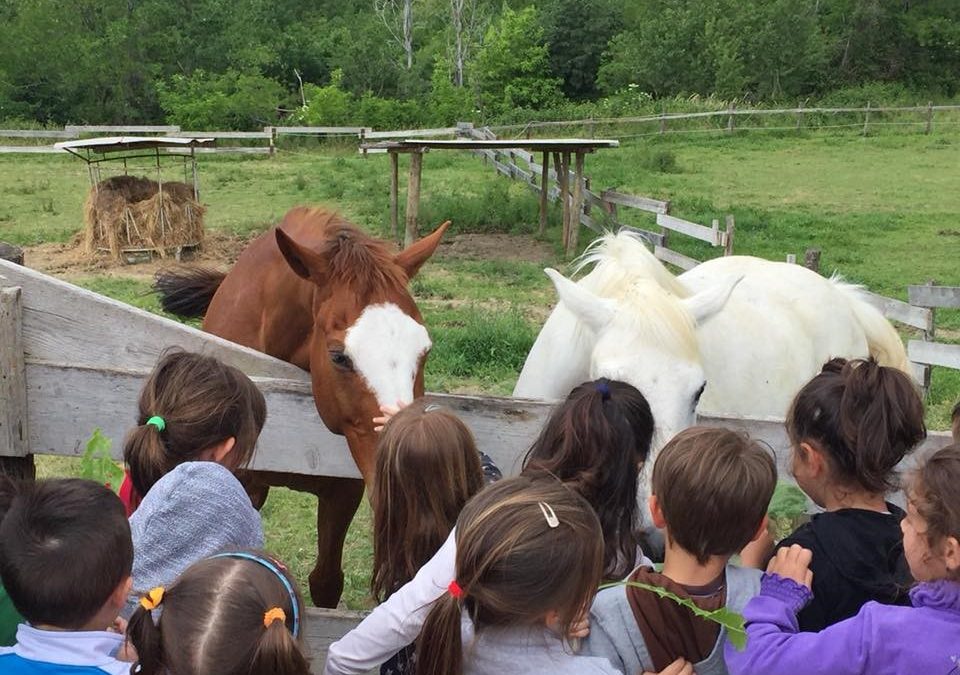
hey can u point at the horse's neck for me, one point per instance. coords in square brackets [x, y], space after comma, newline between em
[559, 359]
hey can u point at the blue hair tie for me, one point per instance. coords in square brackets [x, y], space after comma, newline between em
[604, 390]
[273, 567]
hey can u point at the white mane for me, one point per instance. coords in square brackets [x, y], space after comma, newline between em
[626, 271]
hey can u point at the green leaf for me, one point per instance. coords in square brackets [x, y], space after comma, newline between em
[96, 464]
[732, 621]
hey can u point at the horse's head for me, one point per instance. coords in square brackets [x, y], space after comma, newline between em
[369, 345]
[645, 335]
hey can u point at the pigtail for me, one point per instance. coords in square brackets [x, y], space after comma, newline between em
[145, 456]
[439, 647]
[278, 653]
[880, 421]
[146, 638]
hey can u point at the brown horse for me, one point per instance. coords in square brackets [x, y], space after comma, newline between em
[319, 293]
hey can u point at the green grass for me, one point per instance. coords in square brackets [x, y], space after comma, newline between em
[882, 209]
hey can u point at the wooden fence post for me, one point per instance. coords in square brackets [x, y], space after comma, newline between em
[800, 116]
[576, 209]
[929, 117]
[866, 119]
[663, 121]
[792, 258]
[731, 228]
[811, 259]
[544, 191]
[394, 190]
[413, 197]
[730, 118]
[15, 457]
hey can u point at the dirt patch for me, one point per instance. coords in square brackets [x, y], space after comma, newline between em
[70, 260]
[496, 247]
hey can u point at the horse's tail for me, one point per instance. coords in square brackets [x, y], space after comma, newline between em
[883, 341]
[187, 292]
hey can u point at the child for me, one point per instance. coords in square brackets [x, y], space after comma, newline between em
[419, 446]
[880, 639]
[236, 613]
[199, 420]
[65, 560]
[711, 488]
[595, 442]
[529, 558]
[850, 426]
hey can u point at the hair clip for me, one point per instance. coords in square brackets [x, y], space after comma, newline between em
[548, 513]
[274, 614]
[432, 407]
[604, 390]
[152, 599]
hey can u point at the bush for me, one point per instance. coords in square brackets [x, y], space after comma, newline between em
[232, 100]
[663, 161]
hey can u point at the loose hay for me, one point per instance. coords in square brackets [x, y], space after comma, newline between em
[132, 213]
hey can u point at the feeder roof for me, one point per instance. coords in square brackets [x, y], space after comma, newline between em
[121, 143]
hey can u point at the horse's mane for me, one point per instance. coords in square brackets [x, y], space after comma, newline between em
[362, 263]
[626, 271]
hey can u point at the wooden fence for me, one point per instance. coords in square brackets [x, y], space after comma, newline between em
[72, 360]
[530, 171]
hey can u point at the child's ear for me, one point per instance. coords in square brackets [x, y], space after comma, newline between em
[812, 457]
[219, 452]
[656, 513]
[951, 554]
[762, 530]
[120, 594]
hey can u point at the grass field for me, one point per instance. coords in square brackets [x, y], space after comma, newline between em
[883, 209]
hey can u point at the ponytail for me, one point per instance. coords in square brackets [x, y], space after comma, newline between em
[278, 652]
[865, 416]
[145, 455]
[146, 638]
[439, 647]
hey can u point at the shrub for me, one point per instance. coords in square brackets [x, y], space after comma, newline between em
[231, 100]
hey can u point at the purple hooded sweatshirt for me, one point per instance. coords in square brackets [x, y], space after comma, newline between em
[881, 639]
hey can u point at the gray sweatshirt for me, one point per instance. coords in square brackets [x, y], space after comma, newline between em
[196, 510]
[524, 651]
[614, 633]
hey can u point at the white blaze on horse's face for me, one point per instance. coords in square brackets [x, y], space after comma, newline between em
[386, 345]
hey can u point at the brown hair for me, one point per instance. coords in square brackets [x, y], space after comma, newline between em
[864, 416]
[596, 441]
[935, 492]
[65, 547]
[213, 621]
[203, 402]
[419, 447]
[713, 486]
[955, 423]
[514, 566]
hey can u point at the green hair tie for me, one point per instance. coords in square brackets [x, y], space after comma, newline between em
[158, 422]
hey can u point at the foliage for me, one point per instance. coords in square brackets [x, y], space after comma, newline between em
[96, 464]
[733, 622]
[327, 106]
[576, 33]
[233, 100]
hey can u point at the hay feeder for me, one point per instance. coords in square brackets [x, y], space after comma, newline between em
[134, 218]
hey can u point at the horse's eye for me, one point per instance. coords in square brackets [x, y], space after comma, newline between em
[696, 398]
[341, 360]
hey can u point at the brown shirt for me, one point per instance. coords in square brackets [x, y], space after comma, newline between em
[672, 631]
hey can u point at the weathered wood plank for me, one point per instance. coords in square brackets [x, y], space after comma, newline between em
[653, 238]
[29, 150]
[36, 133]
[635, 201]
[695, 230]
[411, 133]
[674, 258]
[63, 323]
[122, 129]
[322, 627]
[934, 296]
[13, 386]
[934, 353]
[319, 131]
[917, 317]
[223, 134]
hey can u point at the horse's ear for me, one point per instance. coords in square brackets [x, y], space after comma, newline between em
[706, 303]
[413, 256]
[593, 310]
[304, 262]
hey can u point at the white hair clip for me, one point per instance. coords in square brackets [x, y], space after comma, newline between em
[548, 513]
[432, 407]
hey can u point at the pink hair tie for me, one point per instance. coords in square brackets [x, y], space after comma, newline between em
[455, 590]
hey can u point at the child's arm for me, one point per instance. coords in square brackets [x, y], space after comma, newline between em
[774, 644]
[397, 622]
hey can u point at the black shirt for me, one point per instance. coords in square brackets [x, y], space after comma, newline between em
[857, 557]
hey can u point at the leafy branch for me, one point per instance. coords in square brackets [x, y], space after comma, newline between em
[96, 463]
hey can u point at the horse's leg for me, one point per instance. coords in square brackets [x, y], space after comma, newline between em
[255, 485]
[337, 502]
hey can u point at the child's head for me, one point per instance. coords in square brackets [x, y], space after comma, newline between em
[596, 441]
[65, 552]
[851, 425]
[427, 468]
[955, 423]
[193, 407]
[529, 554]
[711, 489]
[232, 614]
[931, 528]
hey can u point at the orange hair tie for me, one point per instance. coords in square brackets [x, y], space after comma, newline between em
[274, 614]
[152, 599]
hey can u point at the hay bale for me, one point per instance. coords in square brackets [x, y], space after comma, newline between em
[134, 213]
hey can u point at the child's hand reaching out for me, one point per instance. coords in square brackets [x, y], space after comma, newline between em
[793, 563]
[388, 412]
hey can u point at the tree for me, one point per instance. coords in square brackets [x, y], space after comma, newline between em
[576, 33]
[232, 100]
[397, 16]
[465, 22]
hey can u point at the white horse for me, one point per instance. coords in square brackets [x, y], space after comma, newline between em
[735, 335]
